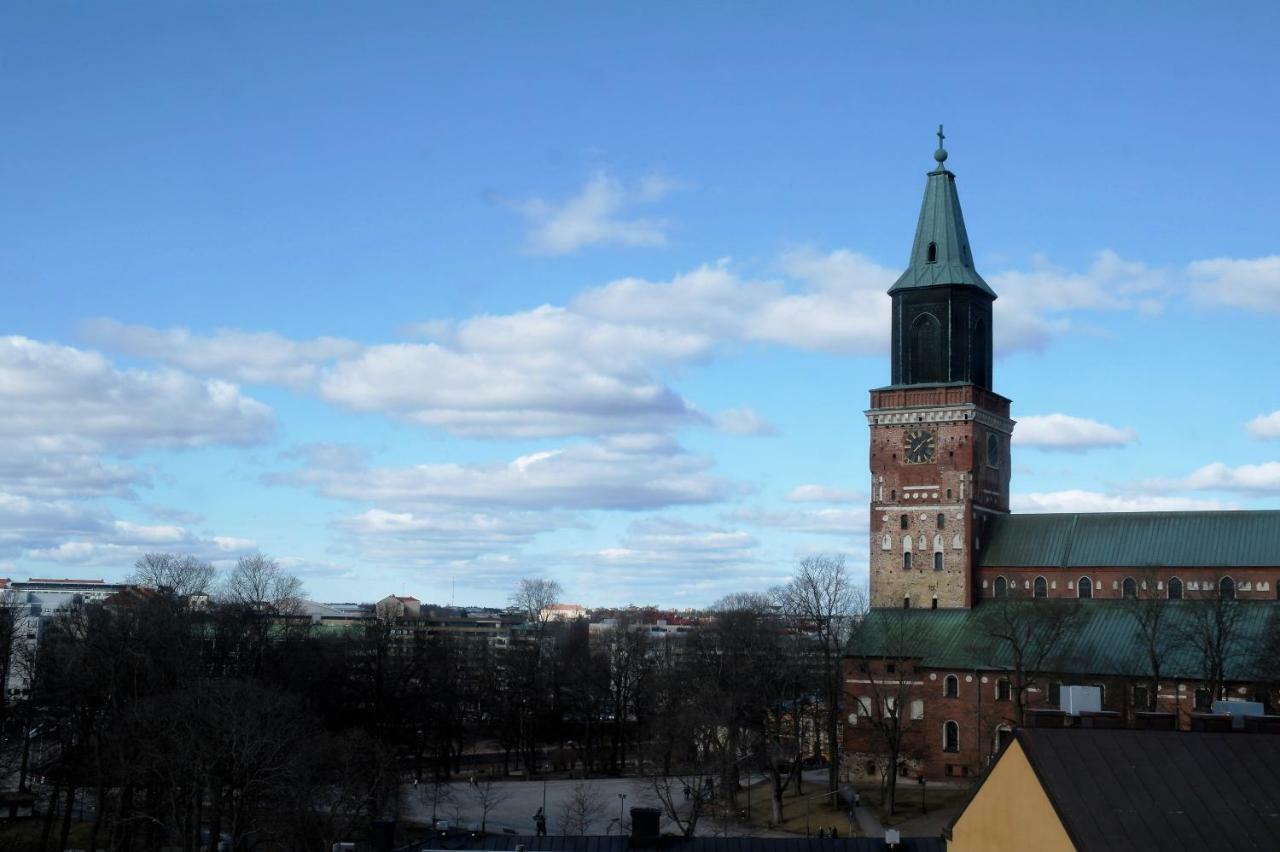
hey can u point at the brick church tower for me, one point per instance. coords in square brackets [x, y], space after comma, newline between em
[939, 434]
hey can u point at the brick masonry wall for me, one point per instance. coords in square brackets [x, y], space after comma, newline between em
[980, 714]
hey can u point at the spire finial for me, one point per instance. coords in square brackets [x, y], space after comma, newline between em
[941, 154]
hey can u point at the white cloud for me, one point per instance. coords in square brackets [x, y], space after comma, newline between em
[1249, 478]
[64, 400]
[837, 303]
[1076, 500]
[1069, 434]
[1265, 426]
[250, 357]
[824, 494]
[743, 421]
[600, 213]
[1036, 305]
[622, 472]
[1250, 283]
[546, 372]
[823, 521]
[668, 541]
[69, 531]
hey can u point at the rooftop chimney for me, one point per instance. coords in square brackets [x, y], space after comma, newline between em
[644, 823]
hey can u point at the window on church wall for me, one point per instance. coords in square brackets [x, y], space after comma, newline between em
[1141, 697]
[942, 520]
[950, 686]
[931, 255]
[1227, 588]
[1175, 589]
[926, 350]
[1001, 586]
[981, 355]
[951, 736]
[1084, 588]
[1130, 587]
[906, 560]
[1002, 690]
[1055, 694]
[904, 521]
[917, 710]
[937, 561]
[1203, 701]
[1041, 588]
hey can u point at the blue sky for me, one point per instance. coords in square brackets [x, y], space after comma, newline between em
[416, 295]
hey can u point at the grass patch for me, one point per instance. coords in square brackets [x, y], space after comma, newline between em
[802, 814]
[907, 805]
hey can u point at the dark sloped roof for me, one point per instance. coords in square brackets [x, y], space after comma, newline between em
[1141, 790]
[1102, 641]
[508, 842]
[1133, 539]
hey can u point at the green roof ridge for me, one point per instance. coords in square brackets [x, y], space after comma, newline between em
[941, 255]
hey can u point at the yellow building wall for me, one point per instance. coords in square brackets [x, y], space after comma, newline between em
[1009, 812]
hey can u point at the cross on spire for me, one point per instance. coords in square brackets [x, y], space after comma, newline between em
[941, 154]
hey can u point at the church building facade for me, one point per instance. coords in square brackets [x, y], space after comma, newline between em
[944, 545]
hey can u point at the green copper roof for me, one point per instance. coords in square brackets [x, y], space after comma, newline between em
[941, 226]
[1104, 641]
[1134, 539]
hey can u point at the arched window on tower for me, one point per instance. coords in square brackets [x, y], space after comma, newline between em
[1227, 588]
[937, 560]
[1084, 588]
[1041, 588]
[932, 255]
[950, 687]
[1001, 587]
[1130, 587]
[903, 522]
[926, 350]
[942, 519]
[1175, 589]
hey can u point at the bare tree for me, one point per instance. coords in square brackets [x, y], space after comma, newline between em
[534, 596]
[821, 602]
[182, 574]
[487, 795]
[1212, 631]
[1032, 634]
[257, 583]
[580, 811]
[1156, 636]
[438, 793]
[886, 690]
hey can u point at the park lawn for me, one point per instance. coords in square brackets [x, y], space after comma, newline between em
[820, 812]
[908, 804]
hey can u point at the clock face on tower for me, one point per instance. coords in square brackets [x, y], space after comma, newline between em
[919, 446]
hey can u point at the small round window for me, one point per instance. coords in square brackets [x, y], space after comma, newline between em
[993, 451]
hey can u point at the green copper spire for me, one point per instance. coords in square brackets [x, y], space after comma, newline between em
[941, 255]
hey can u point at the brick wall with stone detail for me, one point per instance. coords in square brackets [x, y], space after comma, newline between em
[958, 485]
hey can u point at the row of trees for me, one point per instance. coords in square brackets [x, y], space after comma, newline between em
[214, 707]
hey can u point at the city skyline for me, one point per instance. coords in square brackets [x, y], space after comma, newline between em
[420, 305]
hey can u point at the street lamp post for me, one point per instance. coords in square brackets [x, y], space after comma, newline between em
[923, 809]
[622, 800]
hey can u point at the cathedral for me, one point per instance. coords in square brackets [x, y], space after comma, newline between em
[944, 545]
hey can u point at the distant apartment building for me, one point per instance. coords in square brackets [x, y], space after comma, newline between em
[563, 612]
[35, 602]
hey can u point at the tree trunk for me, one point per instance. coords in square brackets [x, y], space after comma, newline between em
[51, 811]
[65, 833]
